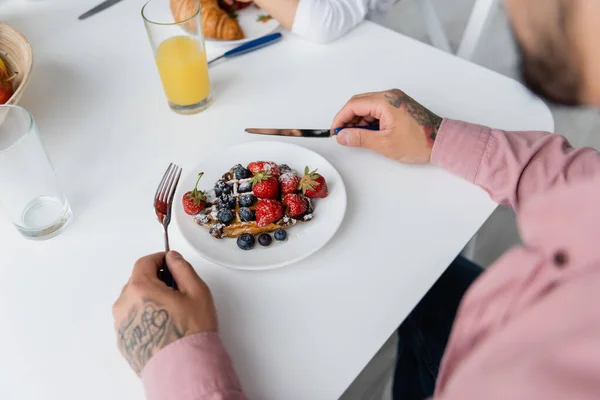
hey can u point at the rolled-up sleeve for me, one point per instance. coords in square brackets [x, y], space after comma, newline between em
[196, 367]
[511, 166]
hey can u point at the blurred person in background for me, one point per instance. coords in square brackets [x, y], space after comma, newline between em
[322, 21]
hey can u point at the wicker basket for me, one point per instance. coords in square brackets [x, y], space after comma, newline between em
[18, 57]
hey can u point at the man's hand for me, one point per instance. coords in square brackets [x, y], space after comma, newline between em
[149, 315]
[407, 129]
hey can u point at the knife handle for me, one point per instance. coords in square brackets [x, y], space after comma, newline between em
[254, 45]
[369, 128]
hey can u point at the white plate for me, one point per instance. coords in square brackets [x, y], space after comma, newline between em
[252, 28]
[303, 239]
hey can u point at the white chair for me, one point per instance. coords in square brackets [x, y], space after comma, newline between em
[435, 30]
[481, 15]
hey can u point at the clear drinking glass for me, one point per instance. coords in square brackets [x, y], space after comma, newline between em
[178, 44]
[29, 192]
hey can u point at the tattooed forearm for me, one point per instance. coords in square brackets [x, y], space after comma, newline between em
[428, 120]
[147, 330]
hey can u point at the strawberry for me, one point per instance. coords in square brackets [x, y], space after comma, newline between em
[268, 211]
[268, 166]
[313, 185]
[194, 200]
[296, 204]
[289, 182]
[161, 207]
[264, 185]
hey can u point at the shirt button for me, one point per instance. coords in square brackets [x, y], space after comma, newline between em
[560, 259]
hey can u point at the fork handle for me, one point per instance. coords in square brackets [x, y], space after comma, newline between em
[164, 274]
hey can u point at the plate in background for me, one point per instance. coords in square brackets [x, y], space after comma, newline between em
[248, 19]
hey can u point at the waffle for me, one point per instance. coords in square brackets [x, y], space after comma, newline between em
[208, 217]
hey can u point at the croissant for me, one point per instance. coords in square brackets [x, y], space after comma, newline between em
[216, 22]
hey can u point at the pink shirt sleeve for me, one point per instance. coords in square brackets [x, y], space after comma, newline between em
[196, 367]
[510, 166]
[527, 328]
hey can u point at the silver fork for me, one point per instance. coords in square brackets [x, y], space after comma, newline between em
[163, 205]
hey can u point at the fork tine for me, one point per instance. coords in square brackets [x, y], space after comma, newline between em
[164, 192]
[174, 189]
[162, 182]
[170, 185]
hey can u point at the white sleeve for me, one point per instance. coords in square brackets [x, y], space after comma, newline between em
[323, 21]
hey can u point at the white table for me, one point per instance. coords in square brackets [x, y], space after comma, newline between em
[302, 332]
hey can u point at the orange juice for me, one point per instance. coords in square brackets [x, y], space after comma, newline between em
[183, 70]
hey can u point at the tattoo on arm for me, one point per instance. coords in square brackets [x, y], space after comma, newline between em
[146, 331]
[428, 120]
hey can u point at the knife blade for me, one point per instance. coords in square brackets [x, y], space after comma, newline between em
[314, 133]
[100, 7]
[311, 133]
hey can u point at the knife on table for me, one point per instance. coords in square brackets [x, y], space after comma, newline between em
[250, 46]
[311, 133]
[100, 7]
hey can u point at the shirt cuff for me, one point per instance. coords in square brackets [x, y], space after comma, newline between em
[191, 368]
[459, 147]
[302, 19]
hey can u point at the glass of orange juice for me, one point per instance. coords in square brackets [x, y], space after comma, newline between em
[178, 42]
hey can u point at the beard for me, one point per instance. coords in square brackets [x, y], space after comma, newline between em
[551, 73]
[552, 69]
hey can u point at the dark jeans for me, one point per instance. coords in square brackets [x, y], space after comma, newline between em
[424, 334]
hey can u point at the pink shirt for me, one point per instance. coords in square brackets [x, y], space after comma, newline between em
[529, 327]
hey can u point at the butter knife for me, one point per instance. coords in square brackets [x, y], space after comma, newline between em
[310, 133]
[100, 7]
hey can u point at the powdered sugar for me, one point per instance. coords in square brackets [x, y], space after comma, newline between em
[268, 166]
[284, 168]
[217, 231]
[211, 196]
[234, 183]
[310, 208]
[289, 220]
[202, 219]
[288, 176]
[209, 217]
[213, 212]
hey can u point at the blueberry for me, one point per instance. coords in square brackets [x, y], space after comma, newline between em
[264, 239]
[242, 173]
[246, 200]
[245, 241]
[284, 168]
[222, 188]
[245, 187]
[226, 201]
[246, 214]
[280, 235]
[225, 216]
